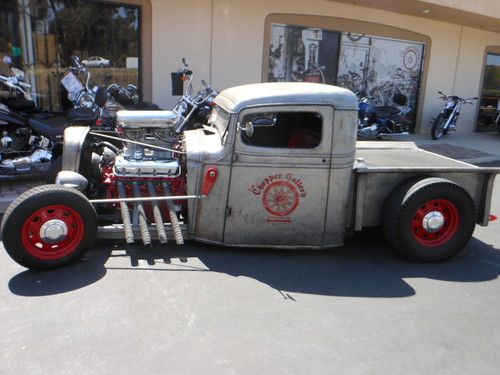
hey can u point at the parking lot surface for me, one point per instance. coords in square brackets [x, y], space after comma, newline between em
[205, 310]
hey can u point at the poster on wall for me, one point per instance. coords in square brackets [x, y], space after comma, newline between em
[380, 68]
[368, 65]
[301, 54]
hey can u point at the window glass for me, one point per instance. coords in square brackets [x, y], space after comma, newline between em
[490, 94]
[283, 129]
[40, 36]
[369, 65]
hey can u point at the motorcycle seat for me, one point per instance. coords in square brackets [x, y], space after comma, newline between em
[386, 111]
[49, 127]
[81, 116]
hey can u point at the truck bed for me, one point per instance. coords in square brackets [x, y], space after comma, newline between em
[382, 166]
[386, 156]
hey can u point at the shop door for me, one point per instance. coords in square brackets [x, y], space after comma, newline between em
[490, 94]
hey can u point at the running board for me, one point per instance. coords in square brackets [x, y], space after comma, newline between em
[115, 231]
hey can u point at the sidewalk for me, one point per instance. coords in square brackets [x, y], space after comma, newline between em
[475, 148]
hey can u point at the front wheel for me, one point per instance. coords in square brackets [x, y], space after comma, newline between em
[429, 220]
[438, 129]
[48, 226]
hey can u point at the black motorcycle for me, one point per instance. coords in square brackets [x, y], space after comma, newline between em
[447, 119]
[192, 110]
[30, 137]
[383, 121]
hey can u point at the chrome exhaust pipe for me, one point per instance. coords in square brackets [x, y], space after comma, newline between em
[179, 240]
[127, 224]
[143, 223]
[162, 235]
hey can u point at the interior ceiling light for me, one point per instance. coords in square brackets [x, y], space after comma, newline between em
[426, 11]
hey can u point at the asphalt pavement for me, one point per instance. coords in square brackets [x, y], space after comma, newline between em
[359, 309]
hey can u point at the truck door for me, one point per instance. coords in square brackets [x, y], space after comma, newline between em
[279, 176]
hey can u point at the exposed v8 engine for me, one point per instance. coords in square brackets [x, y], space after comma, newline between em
[149, 163]
[151, 154]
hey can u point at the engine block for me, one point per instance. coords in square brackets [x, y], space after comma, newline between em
[151, 152]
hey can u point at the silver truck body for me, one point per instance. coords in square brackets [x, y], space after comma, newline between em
[331, 190]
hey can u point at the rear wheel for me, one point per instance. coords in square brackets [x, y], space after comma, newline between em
[438, 129]
[49, 226]
[429, 220]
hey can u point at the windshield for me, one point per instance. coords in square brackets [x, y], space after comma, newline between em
[219, 119]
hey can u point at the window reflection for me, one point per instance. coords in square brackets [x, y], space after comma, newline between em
[40, 36]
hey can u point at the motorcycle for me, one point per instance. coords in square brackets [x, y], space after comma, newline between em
[448, 117]
[30, 141]
[192, 110]
[383, 121]
[101, 104]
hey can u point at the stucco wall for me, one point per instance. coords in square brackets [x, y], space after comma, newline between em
[224, 42]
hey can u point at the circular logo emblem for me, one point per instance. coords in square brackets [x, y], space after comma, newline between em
[410, 59]
[280, 198]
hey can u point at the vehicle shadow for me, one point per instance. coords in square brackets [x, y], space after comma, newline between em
[365, 266]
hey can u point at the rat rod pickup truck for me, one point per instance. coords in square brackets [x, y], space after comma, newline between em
[278, 166]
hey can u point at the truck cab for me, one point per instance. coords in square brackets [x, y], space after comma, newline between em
[285, 155]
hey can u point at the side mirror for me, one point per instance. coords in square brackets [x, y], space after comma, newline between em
[249, 127]
[264, 121]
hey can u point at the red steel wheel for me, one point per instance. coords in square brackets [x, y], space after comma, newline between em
[52, 232]
[435, 222]
[49, 226]
[430, 219]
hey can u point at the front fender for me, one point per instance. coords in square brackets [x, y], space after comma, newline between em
[74, 139]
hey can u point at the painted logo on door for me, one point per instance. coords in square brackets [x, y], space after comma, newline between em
[280, 195]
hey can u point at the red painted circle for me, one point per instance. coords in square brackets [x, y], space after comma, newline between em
[280, 198]
[446, 232]
[37, 247]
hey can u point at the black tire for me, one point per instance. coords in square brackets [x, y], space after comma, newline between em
[404, 227]
[438, 127]
[101, 65]
[38, 206]
[55, 168]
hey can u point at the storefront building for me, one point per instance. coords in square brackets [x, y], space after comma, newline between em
[376, 48]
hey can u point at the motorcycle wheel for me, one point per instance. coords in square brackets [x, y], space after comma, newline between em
[49, 226]
[438, 129]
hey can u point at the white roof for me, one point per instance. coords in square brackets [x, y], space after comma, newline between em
[278, 93]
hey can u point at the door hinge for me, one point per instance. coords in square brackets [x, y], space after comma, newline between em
[228, 211]
[235, 157]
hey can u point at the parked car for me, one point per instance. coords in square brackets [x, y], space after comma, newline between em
[96, 61]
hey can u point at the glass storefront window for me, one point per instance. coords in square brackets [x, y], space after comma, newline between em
[369, 65]
[40, 36]
[490, 94]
